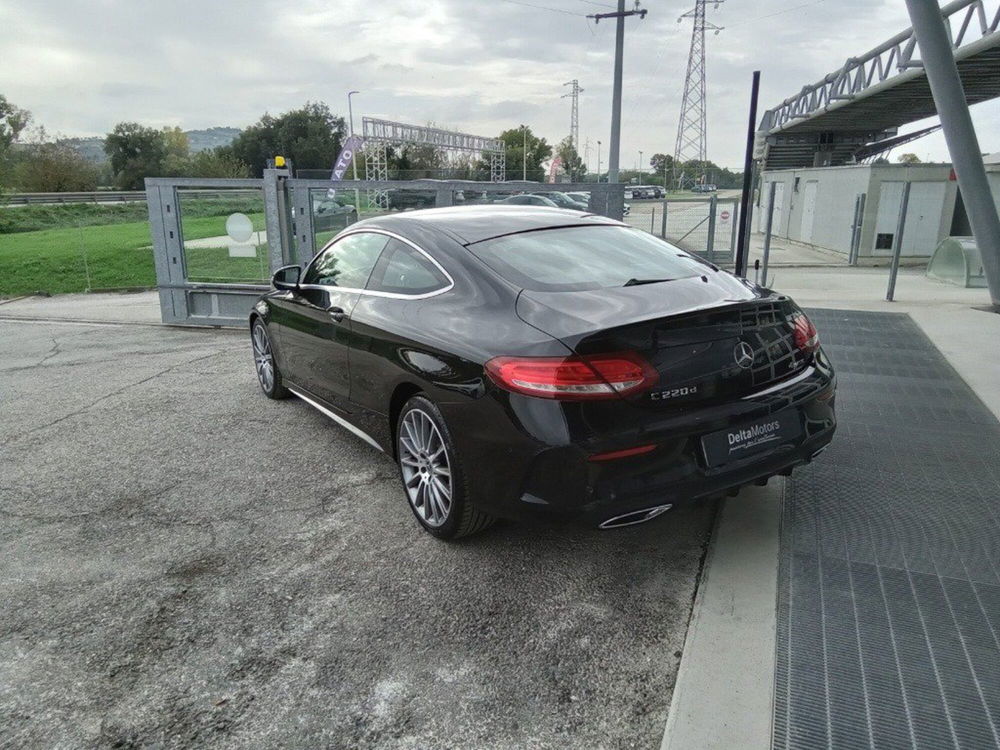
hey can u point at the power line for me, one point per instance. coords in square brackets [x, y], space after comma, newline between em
[777, 13]
[544, 7]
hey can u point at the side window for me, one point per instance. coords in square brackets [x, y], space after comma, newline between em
[403, 270]
[348, 262]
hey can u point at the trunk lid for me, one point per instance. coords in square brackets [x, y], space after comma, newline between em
[710, 338]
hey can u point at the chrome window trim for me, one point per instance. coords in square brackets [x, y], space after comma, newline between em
[373, 292]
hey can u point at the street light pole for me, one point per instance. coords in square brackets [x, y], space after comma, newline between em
[598, 161]
[524, 153]
[640, 166]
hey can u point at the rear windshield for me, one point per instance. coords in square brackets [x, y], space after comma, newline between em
[580, 258]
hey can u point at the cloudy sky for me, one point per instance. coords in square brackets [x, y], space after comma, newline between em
[474, 65]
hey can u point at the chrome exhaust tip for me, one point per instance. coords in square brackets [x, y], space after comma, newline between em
[634, 517]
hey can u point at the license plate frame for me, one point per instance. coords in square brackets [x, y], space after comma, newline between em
[759, 437]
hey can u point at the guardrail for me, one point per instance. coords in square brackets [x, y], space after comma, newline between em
[98, 196]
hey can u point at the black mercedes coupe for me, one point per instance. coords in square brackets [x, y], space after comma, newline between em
[522, 362]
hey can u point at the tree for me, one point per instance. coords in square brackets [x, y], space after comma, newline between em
[136, 152]
[659, 162]
[572, 164]
[13, 120]
[537, 152]
[908, 159]
[215, 163]
[415, 162]
[52, 168]
[310, 137]
[177, 156]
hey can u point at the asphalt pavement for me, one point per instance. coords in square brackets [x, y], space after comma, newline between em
[187, 563]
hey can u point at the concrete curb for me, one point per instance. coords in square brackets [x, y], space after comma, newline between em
[723, 694]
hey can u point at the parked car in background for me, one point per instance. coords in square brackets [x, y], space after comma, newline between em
[529, 200]
[333, 214]
[708, 188]
[407, 199]
[564, 201]
[581, 197]
[521, 362]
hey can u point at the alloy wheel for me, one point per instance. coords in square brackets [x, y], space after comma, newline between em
[423, 458]
[263, 358]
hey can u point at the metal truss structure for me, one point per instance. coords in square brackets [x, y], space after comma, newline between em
[870, 153]
[692, 131]
[380, 134]
[574, 117]
[867, 98]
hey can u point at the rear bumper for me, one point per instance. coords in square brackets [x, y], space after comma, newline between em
[536, 465]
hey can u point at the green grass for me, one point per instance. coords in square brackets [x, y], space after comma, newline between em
[32, 218]
[117, 256]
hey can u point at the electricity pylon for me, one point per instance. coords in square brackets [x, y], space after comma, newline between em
[692, 131]
[574, 118]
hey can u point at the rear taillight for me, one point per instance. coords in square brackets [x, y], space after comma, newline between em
[573, 378]
[806, 336]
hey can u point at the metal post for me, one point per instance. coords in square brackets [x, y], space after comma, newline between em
[598, 161]
[741, 247]
[953, 110]
[710, 248]
[767, 230]
[897, 243]
[859, 218]
[736, 220]
[354, 157]
[616, 96]
[652, 221]
[663, 220]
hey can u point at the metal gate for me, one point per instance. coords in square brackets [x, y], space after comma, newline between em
[216, 242]
[213, 253]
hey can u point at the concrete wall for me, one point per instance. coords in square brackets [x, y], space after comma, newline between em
[816, 206]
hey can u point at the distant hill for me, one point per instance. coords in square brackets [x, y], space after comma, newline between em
[92, 149]
[200, 140]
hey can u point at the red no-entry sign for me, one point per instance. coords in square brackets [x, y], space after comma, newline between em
[725, 215]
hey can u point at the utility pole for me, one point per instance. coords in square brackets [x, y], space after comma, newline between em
[616, 97]
[586, 154]
[692, 131]
[574, 117]
[938, 59]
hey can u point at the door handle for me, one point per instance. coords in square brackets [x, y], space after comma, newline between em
[337, 313]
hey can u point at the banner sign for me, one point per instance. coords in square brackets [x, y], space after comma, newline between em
[351, 146]
[554, 168]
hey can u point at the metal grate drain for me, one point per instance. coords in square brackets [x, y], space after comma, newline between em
[888, 630]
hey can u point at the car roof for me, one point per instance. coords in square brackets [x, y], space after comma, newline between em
[469, 224]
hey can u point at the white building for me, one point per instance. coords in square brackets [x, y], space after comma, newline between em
[817, 206]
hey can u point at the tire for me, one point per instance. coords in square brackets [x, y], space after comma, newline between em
[268, 374]
[432, 474]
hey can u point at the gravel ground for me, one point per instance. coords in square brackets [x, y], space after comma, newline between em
[187, 563]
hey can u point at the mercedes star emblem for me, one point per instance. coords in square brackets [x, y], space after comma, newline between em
[743, 354]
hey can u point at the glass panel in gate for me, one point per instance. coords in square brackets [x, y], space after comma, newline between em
[225, 240]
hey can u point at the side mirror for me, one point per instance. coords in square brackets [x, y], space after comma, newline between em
[286, 277]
